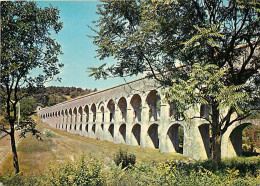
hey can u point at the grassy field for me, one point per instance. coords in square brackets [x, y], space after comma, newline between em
[35, 155]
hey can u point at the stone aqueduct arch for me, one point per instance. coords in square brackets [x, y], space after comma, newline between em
[134, 114]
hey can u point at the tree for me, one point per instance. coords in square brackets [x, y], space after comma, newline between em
[173, 40]
[251, 138]
[26, 49]
[27, 106]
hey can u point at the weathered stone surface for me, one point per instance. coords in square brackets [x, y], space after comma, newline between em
[134, 114]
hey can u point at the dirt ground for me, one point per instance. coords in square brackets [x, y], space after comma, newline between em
[5, 146]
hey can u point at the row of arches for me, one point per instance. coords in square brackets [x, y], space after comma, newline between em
[109, 110]
[124, 109]
[173, 139]
[131, 135]
[138, 119]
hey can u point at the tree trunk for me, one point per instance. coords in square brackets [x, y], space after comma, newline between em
[216, 135]
[216, 147]
[15, 157]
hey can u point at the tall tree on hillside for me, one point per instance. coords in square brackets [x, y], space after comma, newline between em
[26, 47]
[174, 40]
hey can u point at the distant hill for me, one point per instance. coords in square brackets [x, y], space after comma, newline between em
[48, 96]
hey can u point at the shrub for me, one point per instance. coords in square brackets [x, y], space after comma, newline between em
[124, 159]
[170, 173]
[85, 170]
[18, 180]
[250, 165]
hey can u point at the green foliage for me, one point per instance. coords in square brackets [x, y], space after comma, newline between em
[158, 36]
[139, 174]
[28, 125]
[84, 170]
[50, 134]
[251, 138]
[205, 85]
[245, 166]
[171, 175]
[206, 51]
[255, 115]
[181, 135]
[27, 106]
[123, 159]
[18, 179]
[49, 96]
[181, 173]
[26, 44]
[207, 33]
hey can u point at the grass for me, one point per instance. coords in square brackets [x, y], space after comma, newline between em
[56, 145]
[33, 156]
[62, 158]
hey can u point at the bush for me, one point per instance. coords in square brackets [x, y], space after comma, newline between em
[124, 159]
[85, 170]
[250, 165]
[171, 173]
[18, 180]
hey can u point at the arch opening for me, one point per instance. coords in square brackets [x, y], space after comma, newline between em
[94, 128]
[86, 127]
[251, 140]
[122, 132]
[153, 135]
[102, 113]
[111, 131]
[153, 100]
[136, 134]
[70, 115]
[80, 114]
[94, 112]
[80, 127]
[136, 103]
[122, 104]
[62, 117]
[75, 116]
[175, 138]
[111, 108]
[242, 139]
[86, 111]
[66, 116]
[205, 136]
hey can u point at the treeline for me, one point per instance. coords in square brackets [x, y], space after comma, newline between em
[48, 96]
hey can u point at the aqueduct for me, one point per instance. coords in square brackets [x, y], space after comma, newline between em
[133, 113]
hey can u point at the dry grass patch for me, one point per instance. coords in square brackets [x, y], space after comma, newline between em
[58, 145]
[106, 150]
[33, 156]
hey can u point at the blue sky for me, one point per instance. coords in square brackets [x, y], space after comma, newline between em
[79, 51]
